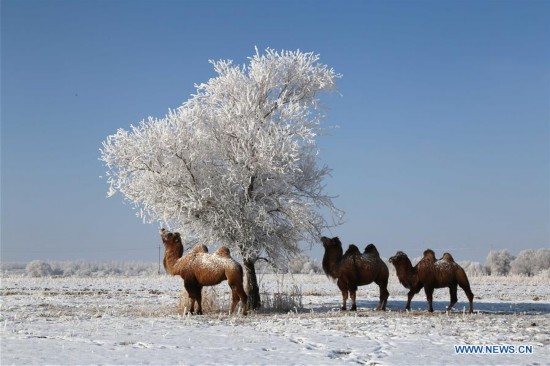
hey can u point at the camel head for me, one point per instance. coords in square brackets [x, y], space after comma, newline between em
[172, 241]
[399, 258]
[331, 243]
[333, 255]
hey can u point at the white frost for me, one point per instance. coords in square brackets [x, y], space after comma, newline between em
[135, 321]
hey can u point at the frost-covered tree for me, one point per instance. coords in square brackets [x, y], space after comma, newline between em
[499, 262]
[236, 164]
[530, 262]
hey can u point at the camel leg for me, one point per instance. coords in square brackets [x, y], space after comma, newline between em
[454, 298]
[384, 294]
[469, 294]
[352, 296]
[429, 296]
[344, 300]
[234, 299]
[192, 293]
[409, 299]
[191, 303]
[237, 292]
[244, 298]
[344, 289]
[199, 300]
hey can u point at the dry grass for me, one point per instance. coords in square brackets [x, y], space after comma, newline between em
[283, 301]
[216, 300]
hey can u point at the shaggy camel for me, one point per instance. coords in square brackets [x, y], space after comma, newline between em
[353, 269]
[199, 268]
[431, 274]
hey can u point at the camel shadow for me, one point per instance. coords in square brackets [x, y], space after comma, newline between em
[528, 308]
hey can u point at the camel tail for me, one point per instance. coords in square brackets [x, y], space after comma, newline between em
[352, 285]
[241, 271]
[357, 268]
[235, 274]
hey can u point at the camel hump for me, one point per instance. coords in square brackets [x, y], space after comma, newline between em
[199, 248]
[371, 250]
[447, 257]
[223, 252]
[429, 254]
[352, 250]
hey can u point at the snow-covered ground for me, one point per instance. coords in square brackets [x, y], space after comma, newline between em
[138, 320]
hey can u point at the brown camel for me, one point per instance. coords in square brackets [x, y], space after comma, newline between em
[353, 269]
[431, 274]
[198, 268]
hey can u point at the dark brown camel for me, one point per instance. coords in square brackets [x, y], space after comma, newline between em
[198, 268]
[354, 269]
[431, 274]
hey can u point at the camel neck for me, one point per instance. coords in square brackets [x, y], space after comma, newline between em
[409, 267]
[331, 263]
[170, 259]
[405, 268]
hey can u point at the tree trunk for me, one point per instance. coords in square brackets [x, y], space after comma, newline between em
[252, 288]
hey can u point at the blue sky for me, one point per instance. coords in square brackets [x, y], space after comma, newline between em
[443, 115]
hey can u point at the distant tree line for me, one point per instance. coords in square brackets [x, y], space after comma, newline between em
[39, 268]
[529, 262]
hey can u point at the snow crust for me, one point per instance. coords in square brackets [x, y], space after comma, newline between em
[135, 321]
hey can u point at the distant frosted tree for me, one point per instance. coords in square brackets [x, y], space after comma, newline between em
[38, 268]
[524, 263]
[499, 262]
[237, 163]
[530, 262]
[304, 264]
[543, 259]
[473, 268]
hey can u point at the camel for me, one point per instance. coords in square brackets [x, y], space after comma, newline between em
[198, 268]
[353, 269]
[431, 274]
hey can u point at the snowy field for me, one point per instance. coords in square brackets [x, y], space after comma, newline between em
[121, 320]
